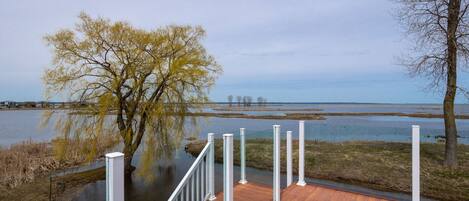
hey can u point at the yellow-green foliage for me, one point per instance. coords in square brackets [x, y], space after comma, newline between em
[147, 80]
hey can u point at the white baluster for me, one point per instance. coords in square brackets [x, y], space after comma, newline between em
[243, 157]
[211, 167]
[289, 159]
[301, 157]
[193, 187]
[197, 183]
[276, 176]
[415, 163]
[228, 167]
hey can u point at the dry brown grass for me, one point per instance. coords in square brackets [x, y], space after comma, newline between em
[76, 152]
[22, 163]
[378, 165]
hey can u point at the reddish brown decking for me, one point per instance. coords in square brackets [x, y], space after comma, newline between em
[256, 192]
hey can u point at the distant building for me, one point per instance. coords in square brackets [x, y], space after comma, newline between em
[8, 104]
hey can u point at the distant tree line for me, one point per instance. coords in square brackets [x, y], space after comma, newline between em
[246, 101]
[41, 104]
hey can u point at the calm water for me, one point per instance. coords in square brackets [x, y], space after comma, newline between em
[20, 125]
[17, 126]
[348, 107]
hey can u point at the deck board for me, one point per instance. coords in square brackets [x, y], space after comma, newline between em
[257, 192]
[249, 191]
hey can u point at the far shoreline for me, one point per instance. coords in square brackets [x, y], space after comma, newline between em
[320, 115]
[287, 115]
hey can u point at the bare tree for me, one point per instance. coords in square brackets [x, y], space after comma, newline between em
[245, 101]
[440, 30]
[238, 99]
[260, 101]
[248, 101]
[230, 100]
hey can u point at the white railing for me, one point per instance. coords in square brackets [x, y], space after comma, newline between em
[198, 183]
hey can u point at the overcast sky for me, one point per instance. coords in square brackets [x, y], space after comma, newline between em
[308, 51]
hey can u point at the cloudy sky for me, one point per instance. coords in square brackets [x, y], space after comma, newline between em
[308, 51]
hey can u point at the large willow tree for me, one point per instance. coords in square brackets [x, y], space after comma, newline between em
[144, 80]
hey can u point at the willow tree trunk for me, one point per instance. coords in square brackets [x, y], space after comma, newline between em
[448, 103]
[128, 156]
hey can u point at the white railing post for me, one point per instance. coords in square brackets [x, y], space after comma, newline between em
[228, 167]
[289, 159]
[301, 152]
[276, 176]
[211, 167]
[243, 157]
[115, 176]
[415, 163]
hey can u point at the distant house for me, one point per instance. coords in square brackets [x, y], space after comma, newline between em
[8, 104]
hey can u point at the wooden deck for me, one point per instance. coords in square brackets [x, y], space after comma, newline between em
[256, 192]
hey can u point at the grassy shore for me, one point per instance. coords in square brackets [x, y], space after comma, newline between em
[25, 167]
[318, 115]
[22, 163]
[292, 116]
[306, 114]
[399, 114]
[263, 109]
[63, 188]
[378, 165]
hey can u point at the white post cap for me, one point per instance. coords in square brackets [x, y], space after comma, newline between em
[114, 155]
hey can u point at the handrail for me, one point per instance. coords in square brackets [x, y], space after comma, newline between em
[193, 185]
